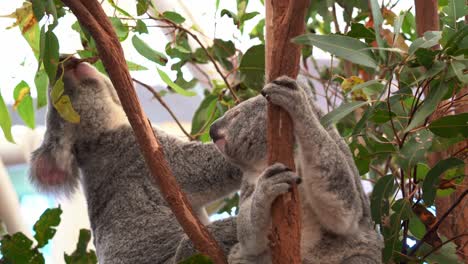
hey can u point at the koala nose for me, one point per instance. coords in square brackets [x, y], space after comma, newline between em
[215, 131]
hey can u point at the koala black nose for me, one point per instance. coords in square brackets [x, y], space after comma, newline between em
[215, 132]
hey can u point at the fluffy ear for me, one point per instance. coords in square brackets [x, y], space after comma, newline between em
[53, 167]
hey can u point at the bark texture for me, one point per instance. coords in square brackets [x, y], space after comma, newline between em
[91, 15]
[284, 20]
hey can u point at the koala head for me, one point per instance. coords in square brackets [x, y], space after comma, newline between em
[53, 165]
[240, 134]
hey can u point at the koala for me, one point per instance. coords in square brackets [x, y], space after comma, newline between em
[130, 220]
[336, 222]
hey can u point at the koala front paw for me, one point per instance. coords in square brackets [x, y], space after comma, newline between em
[285, 93]
[275, 180]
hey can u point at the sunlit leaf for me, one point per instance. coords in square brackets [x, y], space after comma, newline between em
[341, 46]
[5, 120]
[146, 51]
[24, 104]
[120, 28]
[174, 86]
[17, 248]
[51, 55]
[65, 109]
[174, 17]
[340, 112]
[252, 67]
[42, 83]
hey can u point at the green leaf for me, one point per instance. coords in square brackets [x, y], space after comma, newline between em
[142, 6]
[428, 40]
[203, 113]
[147, 52]
[141, 27]
[340, 112]
[252, 67]
[80, 255]
[402, 208]
[437, 67]
[51, 55]
[459, 70]
[24, 104]
[38, 9]
[229, 204]
[174, 86]
[341, 46]
[379, 203]
[417, 227]
[361, 32]
[174, 17]
[455, 10]
[431, 182]
[425, 57]
[223, 49]
[451, 126]
[429, 105]
[378, 19]
[44, 227]
[65, 109]
[414, 149]
[42, 83]
[197, 259]
[440, 144]
[18, 249]
[120, 28]
[135, 67]
[445, 255]
[5, 120]
[258, 31]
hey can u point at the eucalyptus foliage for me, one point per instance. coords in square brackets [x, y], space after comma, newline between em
[386, 92]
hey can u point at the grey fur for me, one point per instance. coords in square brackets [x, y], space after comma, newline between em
[130, 220]
[336, 224]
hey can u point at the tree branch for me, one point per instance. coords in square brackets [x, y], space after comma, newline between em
[88, 13]
[161, 101]
[284, 20]
[438, 223]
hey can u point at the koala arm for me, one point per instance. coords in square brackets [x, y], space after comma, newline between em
[325, 170]
[202, 171]
[254, 219]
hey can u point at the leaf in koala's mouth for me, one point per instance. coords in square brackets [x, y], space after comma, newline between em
[65, 109]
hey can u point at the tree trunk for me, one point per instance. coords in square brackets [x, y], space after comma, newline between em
[88, 13]
[285, 19]
[456, 223]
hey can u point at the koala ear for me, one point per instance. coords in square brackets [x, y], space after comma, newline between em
[54, 168]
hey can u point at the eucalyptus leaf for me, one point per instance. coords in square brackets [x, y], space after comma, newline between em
[146, 51]
[252, 67]
[431, 182]
[174, 86]
[451, 126]
[428, 40]
[42, 83]
[5, 120]
[379, 203]
[51, 55]
[45, 226]
[24, 104]
[344, 47]
[174, 17]
[340, 112]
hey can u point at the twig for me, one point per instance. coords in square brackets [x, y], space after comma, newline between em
[210, 57]
[438, 223]
[434, 249]
[161, 101]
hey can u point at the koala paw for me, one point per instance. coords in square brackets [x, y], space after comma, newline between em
[285, 93]
[277, 179]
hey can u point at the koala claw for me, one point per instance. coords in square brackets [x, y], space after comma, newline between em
[276, 180]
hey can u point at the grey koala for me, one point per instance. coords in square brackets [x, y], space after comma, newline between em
[336, 223]
[130, 220]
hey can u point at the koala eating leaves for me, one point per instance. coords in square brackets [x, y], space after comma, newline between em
[336, 224]
[130, 220]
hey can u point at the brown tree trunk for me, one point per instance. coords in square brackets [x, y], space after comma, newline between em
[456, 223]
[88, 13]
[284, 20]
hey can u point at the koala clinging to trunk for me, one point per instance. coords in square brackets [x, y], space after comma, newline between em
[336, 224]
[130, 220]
